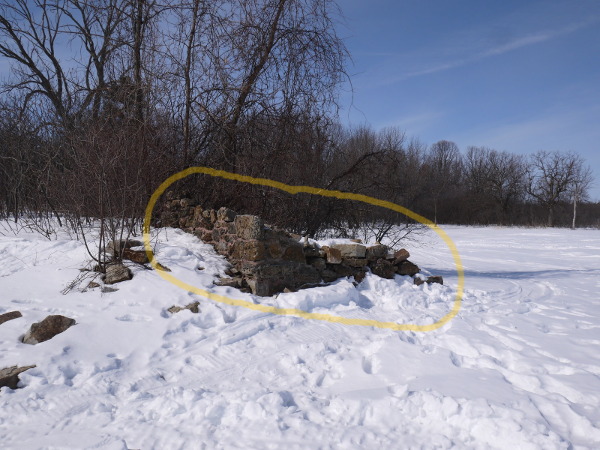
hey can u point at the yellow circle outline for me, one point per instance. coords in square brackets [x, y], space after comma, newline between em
[315, 191]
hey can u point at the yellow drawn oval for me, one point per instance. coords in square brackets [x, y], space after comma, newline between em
[315, 191]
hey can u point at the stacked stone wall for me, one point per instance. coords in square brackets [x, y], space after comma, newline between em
[266, 260]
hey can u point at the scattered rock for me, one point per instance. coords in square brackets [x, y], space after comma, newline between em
[159, 266]
[47, 329]
[9, 377]
[419, 281]
[115, 273]
[193, 307]
[108, 289]
[137, 256]
[234, 282]
[429, 280]
[115, 247]
[92, 285]
[351, 250]
[10, 316]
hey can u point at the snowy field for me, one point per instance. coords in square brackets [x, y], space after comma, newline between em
[519, 367]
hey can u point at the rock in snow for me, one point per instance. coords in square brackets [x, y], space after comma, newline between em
[115, 273]
[47, 329]
[9, 377]
[9, 316]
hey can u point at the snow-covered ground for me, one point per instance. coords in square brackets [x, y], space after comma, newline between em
[519, 367]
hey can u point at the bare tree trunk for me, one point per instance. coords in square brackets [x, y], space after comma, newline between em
[252, 77]
[574, 211]
[139, 23]
[188, 84]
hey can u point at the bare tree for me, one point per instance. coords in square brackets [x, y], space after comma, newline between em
[444, 164]
[274, 57]
[31, 33]
[582, 181]
[550, 176]
[506, 180]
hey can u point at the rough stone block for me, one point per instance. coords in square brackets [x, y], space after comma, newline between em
[272, 277]
[341, 270]
[329, 275]
[313, 252]
[318, 263]
[377, 251]
[249, 227]
[334, 255]
[407, 268]
[359, 275]
[226, 214]
[351, 250]
[401, 255]
[293, 252]
[223, 247]
[251, 250]
[185, 202]
[383, 268]
[210, 215]
[355, 262]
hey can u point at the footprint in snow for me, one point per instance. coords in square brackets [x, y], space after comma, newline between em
[370, 364]
[134, 318]
[456, 359]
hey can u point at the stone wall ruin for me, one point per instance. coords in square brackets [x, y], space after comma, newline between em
[266, 260]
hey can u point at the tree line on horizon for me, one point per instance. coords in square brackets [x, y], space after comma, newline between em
[107, 98]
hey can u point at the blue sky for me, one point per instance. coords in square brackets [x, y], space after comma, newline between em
[518, 76]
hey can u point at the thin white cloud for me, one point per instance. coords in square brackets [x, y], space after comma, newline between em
[566, 130]
[571, 129]
[415, 123]
[514, 44]
[536, 38]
